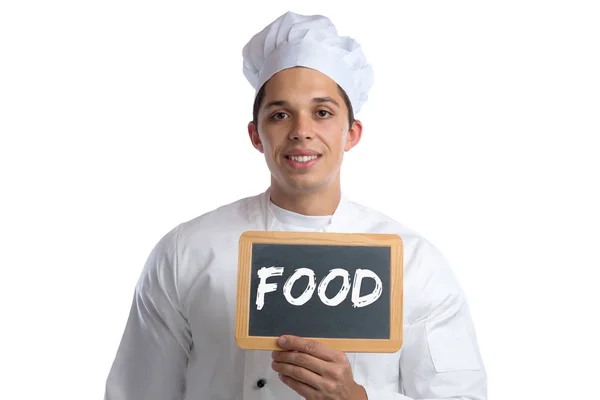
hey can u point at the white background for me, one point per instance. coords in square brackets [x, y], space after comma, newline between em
[121, 119]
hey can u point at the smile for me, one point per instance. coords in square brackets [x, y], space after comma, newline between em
[302, 159]
[302, 162]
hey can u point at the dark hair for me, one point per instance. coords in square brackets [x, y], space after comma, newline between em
[261, 95]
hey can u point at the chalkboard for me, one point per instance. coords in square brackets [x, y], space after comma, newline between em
[342, 289]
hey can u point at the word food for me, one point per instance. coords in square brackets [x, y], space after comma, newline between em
[265, 287]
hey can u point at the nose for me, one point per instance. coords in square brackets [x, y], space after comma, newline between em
[302, 129]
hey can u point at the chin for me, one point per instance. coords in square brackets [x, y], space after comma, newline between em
[306, 185]
[301, 183]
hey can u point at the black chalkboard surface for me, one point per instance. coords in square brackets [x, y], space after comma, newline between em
[341, 289]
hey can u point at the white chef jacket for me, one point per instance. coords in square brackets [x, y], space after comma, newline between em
[179, 343]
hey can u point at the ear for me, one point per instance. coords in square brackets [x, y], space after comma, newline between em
[354, 135]
[255, 137]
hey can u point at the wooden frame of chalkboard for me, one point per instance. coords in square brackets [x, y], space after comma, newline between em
[388, 341]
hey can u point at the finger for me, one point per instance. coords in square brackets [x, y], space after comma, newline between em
[301, 359]
[299, 374]
[301, 388]
[308, 346]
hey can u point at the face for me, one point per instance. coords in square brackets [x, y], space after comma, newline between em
[303, 131]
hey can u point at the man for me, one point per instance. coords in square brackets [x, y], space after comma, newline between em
[179, 339]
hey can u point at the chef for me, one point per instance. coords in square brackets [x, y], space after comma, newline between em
[178, 341]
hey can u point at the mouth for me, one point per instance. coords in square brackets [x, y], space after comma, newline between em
[302, 161]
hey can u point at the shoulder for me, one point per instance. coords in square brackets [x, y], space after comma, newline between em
[207, 228]
[416, 245]
[428, 276]
[192, 243]
[222, 219]
[380, 222]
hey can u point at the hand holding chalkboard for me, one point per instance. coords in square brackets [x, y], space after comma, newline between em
[315, 370]
[341, 289]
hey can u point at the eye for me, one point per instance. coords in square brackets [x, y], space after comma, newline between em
[279, 116]
[323, 113]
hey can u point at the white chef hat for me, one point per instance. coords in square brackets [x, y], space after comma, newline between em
[310, 41]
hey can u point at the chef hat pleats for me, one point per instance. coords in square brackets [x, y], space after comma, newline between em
[310, 41]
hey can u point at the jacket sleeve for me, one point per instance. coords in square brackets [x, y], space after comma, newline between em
[151, 360]
[440, 357]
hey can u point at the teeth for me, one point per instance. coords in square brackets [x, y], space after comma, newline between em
[303, 158]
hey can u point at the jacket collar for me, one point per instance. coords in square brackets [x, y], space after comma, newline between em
[341, 219]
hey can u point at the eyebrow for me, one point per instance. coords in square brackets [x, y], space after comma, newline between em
[318, 100]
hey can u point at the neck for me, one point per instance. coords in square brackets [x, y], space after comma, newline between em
[315, 203]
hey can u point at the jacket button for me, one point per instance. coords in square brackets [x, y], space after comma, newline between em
[260, 383]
